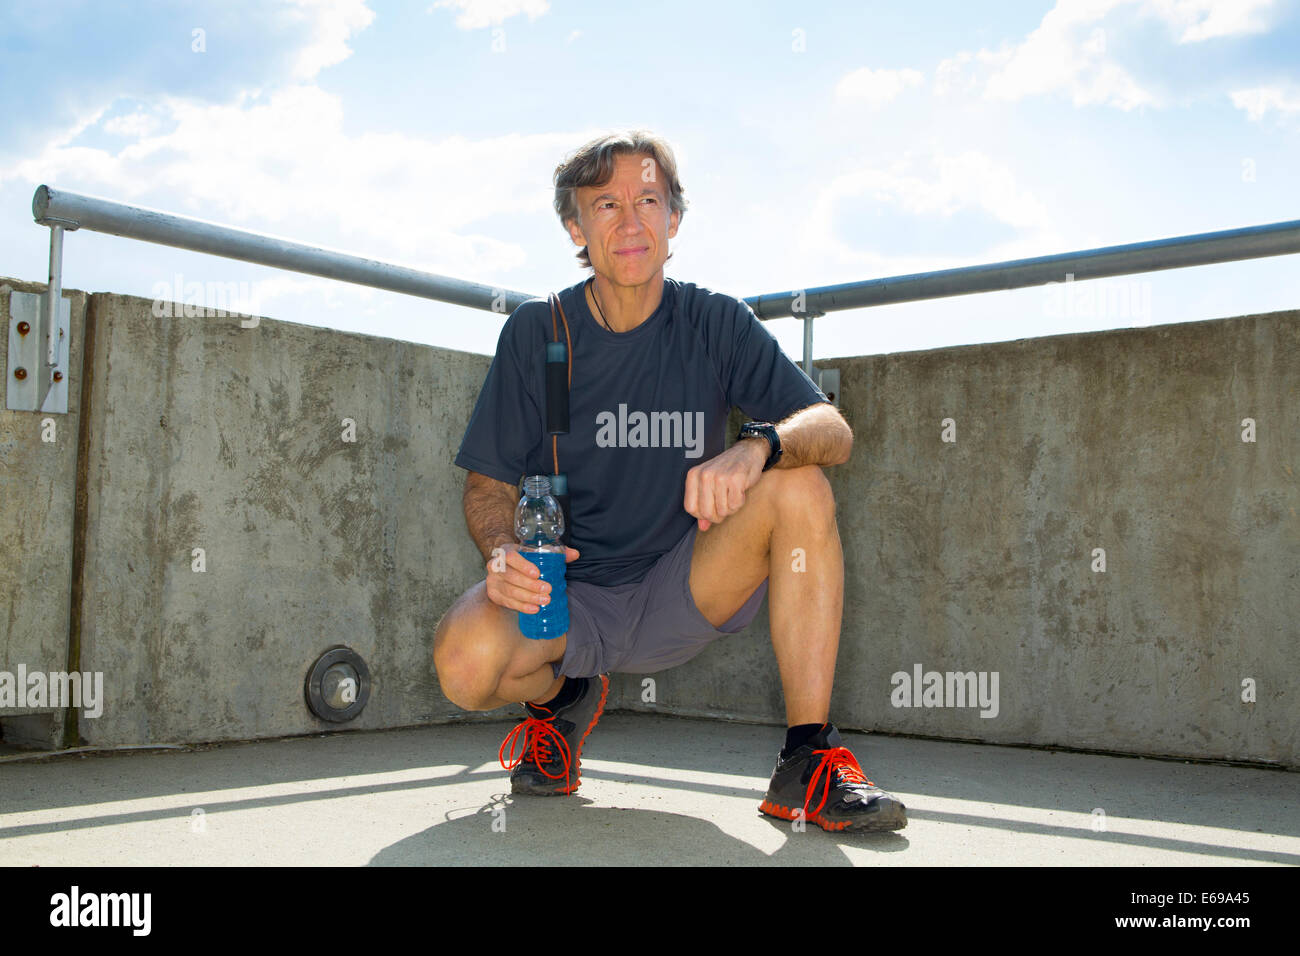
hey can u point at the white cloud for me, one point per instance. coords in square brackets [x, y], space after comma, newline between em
[953, 74]
[133, 125]
[1207, 19]
[1259, 100]
[84, 121]
[1067, 52]
[248, 44]
[282, 164]
[476, 14]
[876, 87]
[281, 294]
[332, 22]
[951, 183]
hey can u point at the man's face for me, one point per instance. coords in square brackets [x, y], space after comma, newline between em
[626, 223]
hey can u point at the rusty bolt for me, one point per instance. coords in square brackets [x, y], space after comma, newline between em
[23, 328]
[58, 376]
[20, 373]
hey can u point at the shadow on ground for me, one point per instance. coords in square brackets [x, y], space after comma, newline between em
[509, 831]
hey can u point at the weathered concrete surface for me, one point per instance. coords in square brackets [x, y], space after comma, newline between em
[966, 556]
[37, 485]
[977, 555]
[655, 790]
[209, 435]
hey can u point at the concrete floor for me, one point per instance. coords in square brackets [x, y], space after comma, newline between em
[655, 790]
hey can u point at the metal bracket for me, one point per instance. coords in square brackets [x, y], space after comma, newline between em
[38, 378]
[827, 379]
[35, 384]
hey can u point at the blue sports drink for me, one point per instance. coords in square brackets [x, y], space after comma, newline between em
[539, 526]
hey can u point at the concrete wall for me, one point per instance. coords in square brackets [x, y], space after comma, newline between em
[203, 434]
[37, 488]
[973, 555]
[977, 555]
[209, 435]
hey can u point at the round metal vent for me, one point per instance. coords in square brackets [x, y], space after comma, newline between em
[338, 685]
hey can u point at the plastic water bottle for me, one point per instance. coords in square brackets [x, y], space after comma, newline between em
[539, 526]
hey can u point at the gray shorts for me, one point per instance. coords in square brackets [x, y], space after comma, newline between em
[645, 626]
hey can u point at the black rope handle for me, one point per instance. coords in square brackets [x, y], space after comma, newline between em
[558, 385]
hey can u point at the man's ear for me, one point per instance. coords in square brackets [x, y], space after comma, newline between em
[673, 222]
[575, 232]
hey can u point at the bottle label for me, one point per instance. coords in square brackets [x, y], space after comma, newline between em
[552, 619]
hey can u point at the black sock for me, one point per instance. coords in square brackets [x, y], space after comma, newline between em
[796, 737]
[567, 695]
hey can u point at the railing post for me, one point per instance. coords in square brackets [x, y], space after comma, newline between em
[53, 295]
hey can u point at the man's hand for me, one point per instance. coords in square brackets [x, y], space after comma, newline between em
[717, 488]
[512, 580]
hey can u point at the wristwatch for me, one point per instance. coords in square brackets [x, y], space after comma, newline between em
[763, 430]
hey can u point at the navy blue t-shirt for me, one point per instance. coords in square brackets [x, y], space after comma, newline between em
[645, 407]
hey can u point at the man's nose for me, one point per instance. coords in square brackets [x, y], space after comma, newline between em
[628, 220]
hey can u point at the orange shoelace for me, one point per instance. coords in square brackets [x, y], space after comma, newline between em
[838, 760]
[538, 735]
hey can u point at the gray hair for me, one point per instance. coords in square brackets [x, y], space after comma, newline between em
[593, 165]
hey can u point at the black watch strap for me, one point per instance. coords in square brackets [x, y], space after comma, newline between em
[763, 430]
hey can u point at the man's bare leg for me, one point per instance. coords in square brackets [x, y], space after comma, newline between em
[785, 531]
[484, 662]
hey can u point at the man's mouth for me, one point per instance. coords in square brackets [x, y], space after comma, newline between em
[630, 252]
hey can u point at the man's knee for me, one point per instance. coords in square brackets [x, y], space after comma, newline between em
[804, 492]
[467, 657]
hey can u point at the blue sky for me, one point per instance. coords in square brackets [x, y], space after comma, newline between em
[817, 144]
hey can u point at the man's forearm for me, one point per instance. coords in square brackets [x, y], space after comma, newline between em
[489, 512]
[816, 435]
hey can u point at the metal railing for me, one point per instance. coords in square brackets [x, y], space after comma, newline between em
[62, 210]
[1206, 248]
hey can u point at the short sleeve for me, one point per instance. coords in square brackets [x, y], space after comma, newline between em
[506, 423]
[763, 382]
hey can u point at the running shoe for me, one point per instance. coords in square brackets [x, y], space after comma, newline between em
[550, 742]
[825, 771]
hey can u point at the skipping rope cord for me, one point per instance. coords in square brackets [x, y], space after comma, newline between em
[555, 453]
